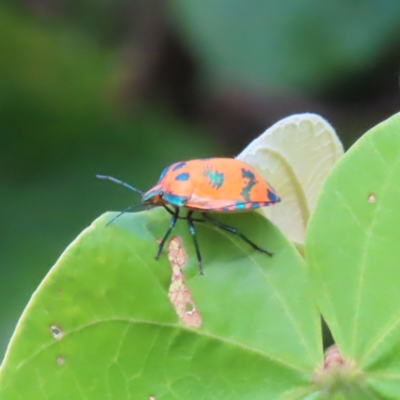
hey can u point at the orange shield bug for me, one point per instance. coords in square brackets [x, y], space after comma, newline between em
[206, 185]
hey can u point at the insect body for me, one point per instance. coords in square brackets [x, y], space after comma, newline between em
[211, 184]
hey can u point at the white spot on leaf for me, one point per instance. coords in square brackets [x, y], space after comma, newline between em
[56, 332]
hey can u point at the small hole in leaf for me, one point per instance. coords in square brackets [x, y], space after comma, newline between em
[60, 360]
[189, 308]
[56, 332]
[371, 198]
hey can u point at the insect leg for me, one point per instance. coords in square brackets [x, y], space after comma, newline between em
[172, 213]
[171, 226]
[235, 232]
[168, 209]
[196, 244]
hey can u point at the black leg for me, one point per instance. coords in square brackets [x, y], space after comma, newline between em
[196, 244]
[172, 213]
[235, 232]
[172, 223]
[168, 209]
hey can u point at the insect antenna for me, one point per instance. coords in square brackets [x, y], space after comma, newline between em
[123, 212]
[115, 180]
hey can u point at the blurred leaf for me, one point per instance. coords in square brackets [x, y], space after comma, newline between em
[280, 45]
[56, 90]
[101, 325]
[353, 253]
[295, 156]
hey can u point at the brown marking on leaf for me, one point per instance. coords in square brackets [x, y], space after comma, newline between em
[59, 291]
[178, 293]
[60, 360]
[371, 198]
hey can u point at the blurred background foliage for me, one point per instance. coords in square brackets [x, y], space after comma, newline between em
[125, 87]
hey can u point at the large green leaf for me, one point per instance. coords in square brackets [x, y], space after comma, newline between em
[101, 324]
[353, 252]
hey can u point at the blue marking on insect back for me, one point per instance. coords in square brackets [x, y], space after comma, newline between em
[163, 173]
[184, 176]
[240, 206]
[256, 204]
[174, 199]
[216, 179]
[151, 194]
[272, 196]
[247, 174]
[179, 165]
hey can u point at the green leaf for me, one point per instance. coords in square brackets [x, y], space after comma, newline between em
[295, 156]
[101, 325]
[353, 254]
